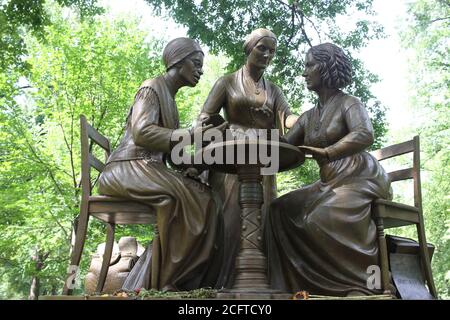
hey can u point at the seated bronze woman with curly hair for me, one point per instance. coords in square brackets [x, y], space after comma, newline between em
[321, 238]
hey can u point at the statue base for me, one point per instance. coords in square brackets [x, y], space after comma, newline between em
[267, 294]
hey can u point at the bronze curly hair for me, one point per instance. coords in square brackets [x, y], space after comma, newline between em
[335, 66]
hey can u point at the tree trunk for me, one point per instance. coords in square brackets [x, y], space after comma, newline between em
[38, 259]
[54, 290]
[34, 290]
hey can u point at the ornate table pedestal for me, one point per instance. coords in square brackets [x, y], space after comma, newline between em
[251, 264]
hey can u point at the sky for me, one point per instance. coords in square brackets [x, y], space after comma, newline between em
[383, 57]
[388, 60]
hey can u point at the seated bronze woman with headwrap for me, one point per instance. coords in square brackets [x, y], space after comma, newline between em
[184, 253]
[321, 238]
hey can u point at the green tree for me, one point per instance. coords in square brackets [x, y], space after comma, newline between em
[426, 37]
[86, 66]
[91, 67]
[223, 24]
[17, 17]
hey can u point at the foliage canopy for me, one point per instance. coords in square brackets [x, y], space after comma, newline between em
[223, 24]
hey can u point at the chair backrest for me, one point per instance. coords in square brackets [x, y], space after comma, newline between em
[89, 135]
[404, 174]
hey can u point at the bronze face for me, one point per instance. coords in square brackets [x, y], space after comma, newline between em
[312, 73]
[192, 69]
[263, 53]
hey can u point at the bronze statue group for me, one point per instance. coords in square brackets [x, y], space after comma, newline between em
[319, 238]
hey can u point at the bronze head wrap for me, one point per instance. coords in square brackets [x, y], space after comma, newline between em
[178, 49]
[253, 38]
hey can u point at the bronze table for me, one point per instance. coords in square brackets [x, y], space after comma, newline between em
[251, 265]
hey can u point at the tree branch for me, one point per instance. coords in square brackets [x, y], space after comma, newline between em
[300, 15]
[439, 19]
[283, 3]
[292, 25]
[72, 116]
[70, 152]
[59, 224]
[314, 26]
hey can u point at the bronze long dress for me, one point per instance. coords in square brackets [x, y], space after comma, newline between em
[184, 254]
[321, 238]
[230, 93]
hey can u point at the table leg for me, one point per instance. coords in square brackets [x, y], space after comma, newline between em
[251, 264]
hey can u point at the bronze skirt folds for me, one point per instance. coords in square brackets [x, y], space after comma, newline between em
[321, 238]
[186, 253]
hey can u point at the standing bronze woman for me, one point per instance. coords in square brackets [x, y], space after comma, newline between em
[184, 252]
[321, 238]
[249, 102]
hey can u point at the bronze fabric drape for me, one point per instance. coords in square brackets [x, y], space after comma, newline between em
[238, 104]
[185, 253]
[321, 238]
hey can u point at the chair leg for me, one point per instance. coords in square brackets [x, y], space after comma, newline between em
[106, 257]
[80, 237]
[426, 260]
[385, 283]
[155, 260]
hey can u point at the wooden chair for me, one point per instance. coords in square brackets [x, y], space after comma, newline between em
[389, 214]
[110, 210]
